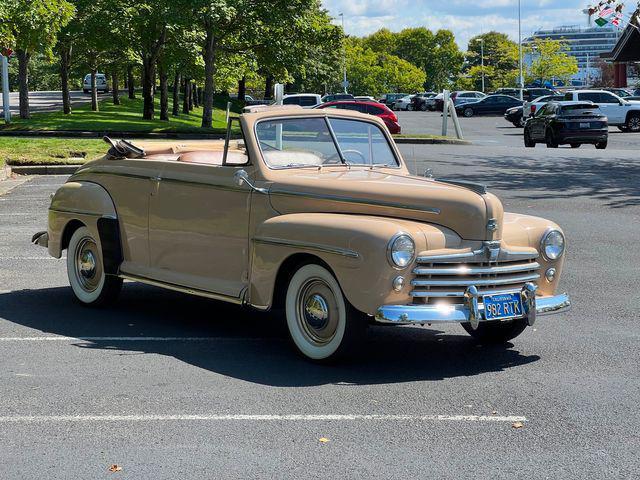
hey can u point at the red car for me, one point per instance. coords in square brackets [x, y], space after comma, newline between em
[372, 108]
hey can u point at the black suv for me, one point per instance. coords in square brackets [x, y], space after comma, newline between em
[573, 123]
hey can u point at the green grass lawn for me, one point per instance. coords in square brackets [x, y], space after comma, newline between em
[126, 117]
[51, 151]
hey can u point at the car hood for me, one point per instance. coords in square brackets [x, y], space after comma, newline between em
[473, 215]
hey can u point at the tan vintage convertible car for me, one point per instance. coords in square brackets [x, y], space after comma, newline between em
[314, 212]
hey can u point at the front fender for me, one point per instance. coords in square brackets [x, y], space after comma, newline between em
[353, 246]
[85, 202]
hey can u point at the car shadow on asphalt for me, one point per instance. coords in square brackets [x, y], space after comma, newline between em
[615, 183]
[249, 345]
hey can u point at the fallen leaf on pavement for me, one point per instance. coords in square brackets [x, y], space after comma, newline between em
[324, 440]
[495, 412]
[115, 468]
[517, 425]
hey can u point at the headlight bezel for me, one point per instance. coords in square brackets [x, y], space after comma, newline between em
[544, 244]
[391, 251]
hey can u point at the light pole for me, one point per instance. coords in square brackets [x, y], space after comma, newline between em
[520, 47]
[345, 84]
[481, 59]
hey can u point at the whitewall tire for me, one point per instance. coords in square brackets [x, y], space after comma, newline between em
[85, 270]
[322, 324]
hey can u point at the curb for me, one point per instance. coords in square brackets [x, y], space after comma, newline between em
[432, 141]
[45, 169]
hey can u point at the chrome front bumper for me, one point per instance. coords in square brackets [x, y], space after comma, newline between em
[472, 311]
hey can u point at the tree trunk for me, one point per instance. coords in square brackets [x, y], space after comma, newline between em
[176, 95]
[115, 87]
[195, 95]
[187, 94]
[23, 80]
[131, 82]
[268, 87]
[242, 89]
[191, 85]
[65, 65]
[164, 92]
[209, 56]
[149, 68]
[94, 91]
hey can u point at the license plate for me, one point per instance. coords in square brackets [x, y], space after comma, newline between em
[504, 305]
[585, 125]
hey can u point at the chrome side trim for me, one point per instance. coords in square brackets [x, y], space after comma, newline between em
[421, 314]
[464, 270]
[361, 201]
[179, 288]
[475, 281]
[81, 212]
[307, 245]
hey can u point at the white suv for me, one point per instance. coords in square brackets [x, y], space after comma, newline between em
[622, 113]
[101, 83]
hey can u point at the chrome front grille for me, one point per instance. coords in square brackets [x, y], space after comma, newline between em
[447, 276]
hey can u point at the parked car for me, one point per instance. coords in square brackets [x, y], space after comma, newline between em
[633, 98]
[490, 105]
[431, 102]
[528, 94]
[621, 113]
[305, 100]
[621, 92]
[530, 107]
[332, 97]
[389, 98]
[419, 100]
[380, 110]
[365, 98]
[404, 103]
[562, 122]
[101, 83]
[294, 216]
[514, 116]
[461, 97]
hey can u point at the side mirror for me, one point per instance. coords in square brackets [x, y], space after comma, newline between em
[241, 177]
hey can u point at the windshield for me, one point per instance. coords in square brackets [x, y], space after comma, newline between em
[303, 142]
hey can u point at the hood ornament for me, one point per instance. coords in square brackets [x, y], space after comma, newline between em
[492, 225]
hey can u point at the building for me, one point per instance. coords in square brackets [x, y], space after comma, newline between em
[625, 52]
[585, 44]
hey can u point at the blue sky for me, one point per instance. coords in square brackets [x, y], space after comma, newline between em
[465, 18]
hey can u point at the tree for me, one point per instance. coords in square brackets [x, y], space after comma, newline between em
[500, 61]
[550, 60]
[34, 26]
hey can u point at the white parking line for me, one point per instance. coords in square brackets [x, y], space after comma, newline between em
[258, 418]
[29, 258]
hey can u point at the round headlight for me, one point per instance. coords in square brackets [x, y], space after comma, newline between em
[552, 245]
[401, 250]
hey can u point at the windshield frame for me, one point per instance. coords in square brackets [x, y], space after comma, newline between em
[344, 163]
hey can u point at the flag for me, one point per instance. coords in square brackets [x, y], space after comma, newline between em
[601, 22]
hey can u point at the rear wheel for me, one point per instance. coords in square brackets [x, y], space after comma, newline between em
[551, 140]
[424, 107]
[496, 332]
[409, 107]
[85, 269]
[322, 324]
[468, 112]
[528, 142]
[601, 145]
[633, 123]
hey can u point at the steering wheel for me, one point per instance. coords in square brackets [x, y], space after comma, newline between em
[331, 159]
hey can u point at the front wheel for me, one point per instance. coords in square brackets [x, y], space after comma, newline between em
[633, 123]
[496, 332]
[551, 140]
[85, 269]
[528, 142]
[322, 323]
[468, 112]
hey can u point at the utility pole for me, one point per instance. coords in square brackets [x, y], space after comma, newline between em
[5, 90]
[345, 83]
[482, 60]
[520, 47]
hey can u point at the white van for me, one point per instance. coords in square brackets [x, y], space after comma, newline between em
[101, 83]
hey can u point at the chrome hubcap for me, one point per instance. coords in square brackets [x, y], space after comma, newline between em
[88, 268]
[317, 313]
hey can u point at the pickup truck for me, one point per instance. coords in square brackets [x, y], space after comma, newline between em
[621, 113]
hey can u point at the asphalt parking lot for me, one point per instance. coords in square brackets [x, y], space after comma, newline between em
[169, 386]
[496, 131]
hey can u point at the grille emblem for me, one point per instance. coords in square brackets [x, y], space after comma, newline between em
[492, 250]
